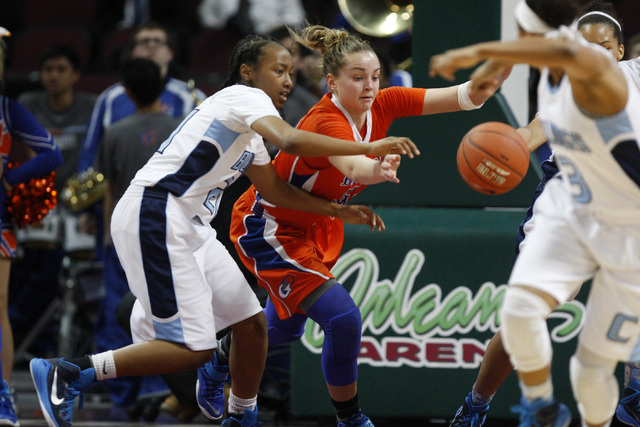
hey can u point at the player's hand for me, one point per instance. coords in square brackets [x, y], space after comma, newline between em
[360, 215]
[393, 145]
[446, 64]
[389, 167]
[487, 79]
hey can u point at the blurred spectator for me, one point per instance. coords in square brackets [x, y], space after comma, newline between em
[251, 16]
[65, 113]
[633, 47]
[59, 108]
[151, 41]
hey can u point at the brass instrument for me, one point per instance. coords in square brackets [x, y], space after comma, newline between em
[84, 190]
[378, 18]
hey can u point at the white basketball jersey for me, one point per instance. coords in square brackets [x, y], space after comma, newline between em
[210, 149]
[599, 158]
[631, 69]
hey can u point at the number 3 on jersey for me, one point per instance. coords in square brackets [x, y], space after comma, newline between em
[579, 189]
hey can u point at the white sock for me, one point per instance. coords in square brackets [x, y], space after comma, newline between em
[540, 391]
[238, 406]
[104, 365]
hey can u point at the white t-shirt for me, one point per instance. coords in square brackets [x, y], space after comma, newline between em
[210, 149]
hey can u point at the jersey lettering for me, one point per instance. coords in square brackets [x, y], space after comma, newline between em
[579, 189]
[243, 163]
[618, 321]
[347, 195]
[285, 287]
[212, 203]
[568, 140]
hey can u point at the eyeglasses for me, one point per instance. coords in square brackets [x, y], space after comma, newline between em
[149, 42]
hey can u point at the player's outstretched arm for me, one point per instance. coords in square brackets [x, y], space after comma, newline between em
[279, 192]
[303, 143]
[365, 170]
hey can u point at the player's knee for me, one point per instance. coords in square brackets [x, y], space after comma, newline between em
[278, 335]
[253, 329]
[595, 389]
[524, 329]
[342, 334]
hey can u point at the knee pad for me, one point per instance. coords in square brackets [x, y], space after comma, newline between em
[342, 335]
[595, 389]
[283, 331]
[524, 329]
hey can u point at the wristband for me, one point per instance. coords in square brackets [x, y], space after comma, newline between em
[463, 98]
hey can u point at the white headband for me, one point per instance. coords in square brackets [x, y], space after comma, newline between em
[606, 15]
[529, 21]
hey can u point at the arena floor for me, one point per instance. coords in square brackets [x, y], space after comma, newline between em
[98, 412]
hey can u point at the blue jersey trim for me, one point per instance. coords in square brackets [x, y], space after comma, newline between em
[155, 256]
[197, 164]
[224, 136]
[611, 127]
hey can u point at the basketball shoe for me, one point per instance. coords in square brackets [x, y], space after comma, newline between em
[58, 382]
[543, 413]
[8, 416]
[357, 420]
[210, 388]
[249, 419]
[628, 410]
[470, 415]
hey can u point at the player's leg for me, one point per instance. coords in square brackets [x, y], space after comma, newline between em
[59, 381]
[527, 341]
[594, 386]
[494, 369]
[338, 316]
[235, 305]
[496, 366]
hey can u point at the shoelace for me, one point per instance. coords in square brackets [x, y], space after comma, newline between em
[6, 407]
[469, 418]
[66, 409]
[527, 417]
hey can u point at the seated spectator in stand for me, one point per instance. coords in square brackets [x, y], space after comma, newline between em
[65, 113]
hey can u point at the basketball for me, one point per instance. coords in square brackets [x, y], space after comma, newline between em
[493, 158]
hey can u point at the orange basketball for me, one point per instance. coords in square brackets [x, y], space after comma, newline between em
[493, 158]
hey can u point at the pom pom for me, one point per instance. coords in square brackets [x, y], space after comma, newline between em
[29, 202]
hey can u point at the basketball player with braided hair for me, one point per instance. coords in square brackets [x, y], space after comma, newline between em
[587, 224]
[598, 24]
[292, 254]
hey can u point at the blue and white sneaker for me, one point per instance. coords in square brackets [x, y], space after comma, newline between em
[58, 382]
[249, 419]
[543, 413]
[210, 388]
[358, 420]
[8, 415]
[628, 410]
[470, 415]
